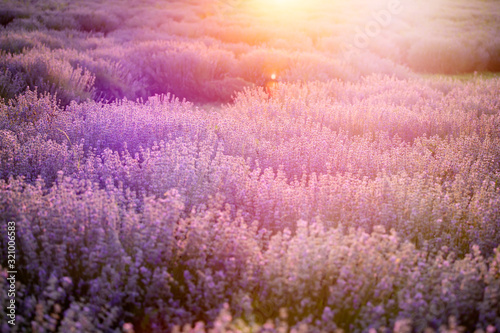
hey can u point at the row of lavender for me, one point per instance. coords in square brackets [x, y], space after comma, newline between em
[78, 66]
[348, 206]
[448, 37]
[111, 50]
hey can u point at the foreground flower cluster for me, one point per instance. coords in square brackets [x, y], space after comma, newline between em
[367, 206]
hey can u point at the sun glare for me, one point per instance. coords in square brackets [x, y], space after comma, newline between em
[283, 10]
[285, 2]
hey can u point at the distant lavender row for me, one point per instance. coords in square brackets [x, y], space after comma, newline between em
[465, 43]
[208, 51]
[199, 70]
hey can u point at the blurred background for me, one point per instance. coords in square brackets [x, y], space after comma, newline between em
[206, 50]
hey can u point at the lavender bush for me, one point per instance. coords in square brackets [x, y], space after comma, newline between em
[157, 185]
[155, 214]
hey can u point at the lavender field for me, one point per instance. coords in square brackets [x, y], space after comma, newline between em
[250, 166]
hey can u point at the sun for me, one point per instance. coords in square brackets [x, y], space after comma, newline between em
[281, 7]
[290, 16]
[285, 2]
